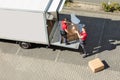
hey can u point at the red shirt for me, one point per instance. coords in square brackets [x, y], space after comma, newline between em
[84, 34]
[64, 25]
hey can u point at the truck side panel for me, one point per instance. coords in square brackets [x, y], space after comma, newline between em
[23, 26]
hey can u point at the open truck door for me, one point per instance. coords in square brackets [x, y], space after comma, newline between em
[56, 5]
[52, 17]
[55, 37]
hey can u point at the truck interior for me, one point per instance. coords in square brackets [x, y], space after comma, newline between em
[54, 33]
[51, 20]
[53, 26]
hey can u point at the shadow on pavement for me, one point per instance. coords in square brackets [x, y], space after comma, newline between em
[105, 64]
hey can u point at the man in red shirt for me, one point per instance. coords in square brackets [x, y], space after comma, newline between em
[82, 36]
[64, 30]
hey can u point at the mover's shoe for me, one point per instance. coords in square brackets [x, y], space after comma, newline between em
[67, 43]
[85, 55]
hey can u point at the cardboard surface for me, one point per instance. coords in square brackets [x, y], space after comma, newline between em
[96, 65]
[71, 33]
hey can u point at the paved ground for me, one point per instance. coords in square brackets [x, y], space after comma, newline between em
[42, 63]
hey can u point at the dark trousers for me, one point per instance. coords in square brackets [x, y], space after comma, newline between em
[82, 45]
[63, 36]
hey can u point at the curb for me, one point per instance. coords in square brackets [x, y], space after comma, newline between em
[89, 14]
[84, 2]
[100, 14]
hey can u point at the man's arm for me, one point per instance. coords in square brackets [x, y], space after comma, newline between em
[78, 34]
[66, 30]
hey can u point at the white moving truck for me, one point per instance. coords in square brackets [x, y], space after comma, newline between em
[31, 21]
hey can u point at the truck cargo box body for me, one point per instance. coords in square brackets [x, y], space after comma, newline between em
[23, 26]
[25, 20]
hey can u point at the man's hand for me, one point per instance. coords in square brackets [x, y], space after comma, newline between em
[66, 30]
[76, 31]
[78, 34]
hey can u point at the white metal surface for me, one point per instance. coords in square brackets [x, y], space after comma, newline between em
[74, 19]
[19, 23]
[56, 5]
[62, 4]
[23, 26]
[34, 5]
[74, 45]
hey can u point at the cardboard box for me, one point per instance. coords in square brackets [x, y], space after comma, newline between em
[72, 35]
[96, 65]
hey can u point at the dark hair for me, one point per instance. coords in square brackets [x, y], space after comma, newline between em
[65, 19]
[84, 28]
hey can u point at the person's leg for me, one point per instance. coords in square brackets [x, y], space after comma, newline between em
[65, 38]
[83, 48]
[84, 42]
[61, 36]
